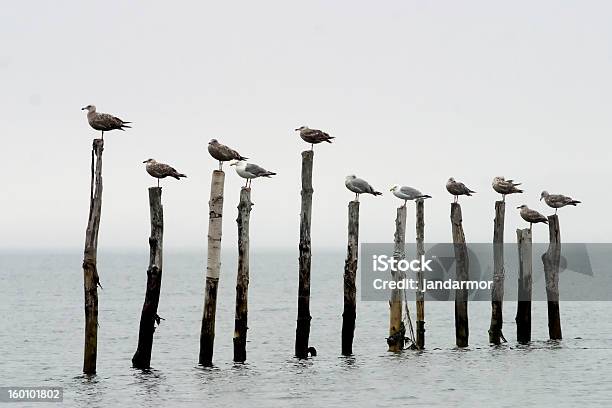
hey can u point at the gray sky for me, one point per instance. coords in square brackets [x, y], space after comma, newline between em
[414, 91]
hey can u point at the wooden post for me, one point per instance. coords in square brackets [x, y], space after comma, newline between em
[350, 272]
[302, 330]
[242, 277]
[497, 292]
[148, 317]
[213, 268]
[523, 311]
[396, 328]
[551, 259]
[420, 295]
[91, 279]
[462, 267]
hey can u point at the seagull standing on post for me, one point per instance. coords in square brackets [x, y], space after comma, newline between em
[313, 136]
[557, 201]
[161, 170]
[223, 153]
[408, 193]
[504, 187]
[531, 216]
[359, 186]
[249, 171]
[456, 189]
[104, 121]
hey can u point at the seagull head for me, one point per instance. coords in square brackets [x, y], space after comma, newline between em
[394, 187]
[149, 161]
[544, 195]
[351, 177]
[451, 180]
[213, 141]
[499, 178]
[238, 163]
[89, 108]
[520, 207]
[302, 128]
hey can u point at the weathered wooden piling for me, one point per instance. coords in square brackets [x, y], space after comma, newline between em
[461, 267]
[420, 295]
[149, 316]
[302, 330]
[91, 279]
[242, 277]
[551, 259]
[350, 272]
[396, 328]
[497, 292]
[213, 267]
[523, 311]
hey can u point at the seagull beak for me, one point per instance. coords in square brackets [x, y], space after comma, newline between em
[232, 164]
[297, 129]
[83, 108]
[145, 161]
[391, 189]
[518, 208]
[541, 197]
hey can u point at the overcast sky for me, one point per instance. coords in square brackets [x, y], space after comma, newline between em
[414, 91]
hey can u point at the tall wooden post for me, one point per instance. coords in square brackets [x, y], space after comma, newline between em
[350, 271]
[91, 279]
[523, 311]
[242, 277]
[396, 328]
[148, 317]
[551, 259]
[462, 267]
[302, 330]
[420, 295]
[213, 268]
[497, 292]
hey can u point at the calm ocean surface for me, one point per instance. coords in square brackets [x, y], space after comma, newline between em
[41, 341]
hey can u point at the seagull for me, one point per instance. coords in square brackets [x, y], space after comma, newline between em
[531, 216]
[557, 201]
[104, 121]
[456, 188]
[161, 170]
[314, 136]
[408, 193]
[504, 187]
[223, 153]
[250, 171]
[359, 186]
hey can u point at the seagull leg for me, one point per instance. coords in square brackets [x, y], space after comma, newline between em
[220, 165]
[312, 146]
[157, 183]
[556, 211]
[503, 198]
[102, 135]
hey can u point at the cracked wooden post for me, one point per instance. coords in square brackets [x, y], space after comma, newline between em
[551, 259]
[497, 292]
[396, 328]
[461, 267]
[90, 272]
[302, 330]
[350, 271]
[148, 317]
[213, 268]
[523, 311]
[420, 295]
[242, 277]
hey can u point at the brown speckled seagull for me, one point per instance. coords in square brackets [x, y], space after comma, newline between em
[456, 189]
[531, 216]
[557, 201]
[223, 153]
[104, 121]
[505, 187]
[313, 136]
[161, 170]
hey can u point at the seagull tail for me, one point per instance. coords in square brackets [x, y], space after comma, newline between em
[377, 193]
[270, 173]
[125, 126]
[179, 175]
[329, 139]
[574, 202]
[518, 190]
[424, 196]
[240, 158]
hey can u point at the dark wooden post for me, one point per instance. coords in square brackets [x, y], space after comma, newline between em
[523, 311]
[420, 295]
[350, 271]
[242, 277]
[213, 267]
[302, 330]
[91, 279]
[396, 329]
[551, 259]
[461, 267]
[497, 292]
[148, 318]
